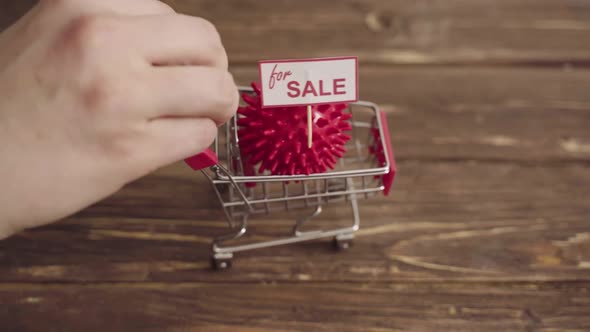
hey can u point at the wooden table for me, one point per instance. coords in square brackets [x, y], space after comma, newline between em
[488, 227]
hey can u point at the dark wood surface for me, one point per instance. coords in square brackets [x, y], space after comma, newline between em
[488, 227]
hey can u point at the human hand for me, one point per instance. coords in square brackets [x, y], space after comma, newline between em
[95, 94]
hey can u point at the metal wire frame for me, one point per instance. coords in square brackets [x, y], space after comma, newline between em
[286, 192]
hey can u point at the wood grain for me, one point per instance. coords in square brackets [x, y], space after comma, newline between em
[532, 32]
[296, 307]
[422, 32]
[445, 221]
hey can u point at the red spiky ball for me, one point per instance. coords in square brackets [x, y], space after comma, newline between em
[275, 139]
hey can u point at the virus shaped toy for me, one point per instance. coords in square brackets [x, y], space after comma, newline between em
[275, 139]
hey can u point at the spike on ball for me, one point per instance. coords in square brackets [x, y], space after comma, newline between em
[274, 140]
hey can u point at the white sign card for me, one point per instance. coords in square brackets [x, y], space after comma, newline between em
[307, 82]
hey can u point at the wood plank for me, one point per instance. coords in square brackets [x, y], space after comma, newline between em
[296, 307]
[445, 221]
[527, 115]
[532, 32]
[403, 32]
[458, 113]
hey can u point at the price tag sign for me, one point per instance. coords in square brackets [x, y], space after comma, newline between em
[307, 82]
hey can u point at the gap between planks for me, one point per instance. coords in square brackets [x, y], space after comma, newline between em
[438, 282]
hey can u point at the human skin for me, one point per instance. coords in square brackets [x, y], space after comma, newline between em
[96, 94]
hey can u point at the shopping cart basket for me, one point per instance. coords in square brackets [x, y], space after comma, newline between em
[367, 168]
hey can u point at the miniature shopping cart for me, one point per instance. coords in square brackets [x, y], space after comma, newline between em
[367, 168]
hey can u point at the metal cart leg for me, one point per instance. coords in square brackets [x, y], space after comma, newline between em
[300, 222]
[345, 240]
[342, 236]
[222, 258]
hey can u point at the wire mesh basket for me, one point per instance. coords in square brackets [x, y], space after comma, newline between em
[367, 169]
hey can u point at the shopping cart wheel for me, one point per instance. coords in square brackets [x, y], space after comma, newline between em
[343, 242]
[221, 263]
[222, 188]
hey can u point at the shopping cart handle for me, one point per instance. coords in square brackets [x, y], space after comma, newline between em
[203, 160]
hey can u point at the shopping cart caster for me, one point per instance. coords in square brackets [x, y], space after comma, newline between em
[223, 262]
[222, 188]
[343, 242]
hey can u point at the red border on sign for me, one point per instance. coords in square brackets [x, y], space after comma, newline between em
[356, 69]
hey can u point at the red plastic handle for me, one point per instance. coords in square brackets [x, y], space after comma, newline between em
[203, 160]
[389, 177]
